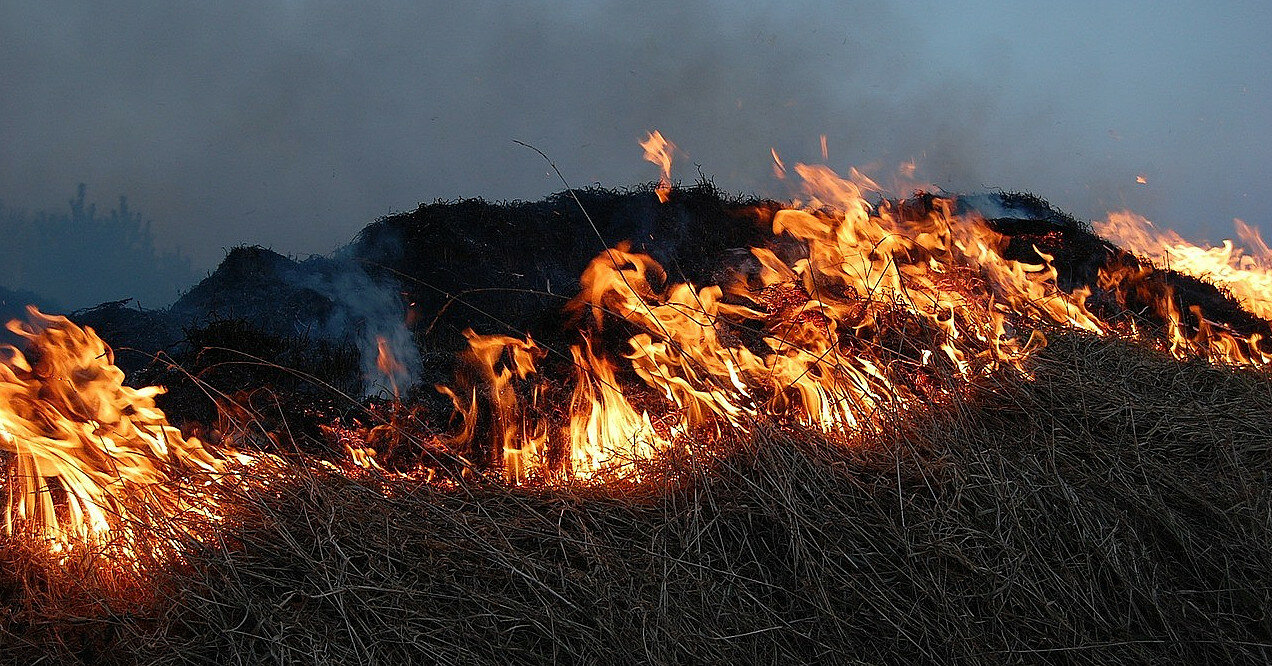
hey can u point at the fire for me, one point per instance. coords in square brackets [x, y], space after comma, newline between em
[858, 308]
[779, 168]
[492, 364]
[609, 433]
[387, 363]
[875, 308]
[1245, 273]
[90, 459]
[839, 331]
[658, 151]
[606, 431]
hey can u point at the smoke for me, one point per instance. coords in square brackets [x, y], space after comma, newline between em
[374, 316]
[291, 124]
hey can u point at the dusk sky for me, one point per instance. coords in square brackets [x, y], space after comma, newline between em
[294, 124]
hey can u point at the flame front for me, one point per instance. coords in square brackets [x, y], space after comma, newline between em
[855, 311]
[1246, 273]
[90, 459]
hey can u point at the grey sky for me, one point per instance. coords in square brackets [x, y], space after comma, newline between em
[293, 124]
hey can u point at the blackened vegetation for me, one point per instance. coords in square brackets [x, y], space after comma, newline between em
[269, 291]
[260, 390]
[134, 333]
[509, 268]
[1031, 226]
[1112, 510]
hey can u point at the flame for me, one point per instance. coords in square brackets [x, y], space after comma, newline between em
[608, 433]
[493, 365]
[873, 309]
[779, 169]
[658, 151]
[841, 331]
[858, 308]
[1245, 273]
[387, 363]
[90, 459]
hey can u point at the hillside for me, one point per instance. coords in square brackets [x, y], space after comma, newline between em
[725, 443]
[1115, 510]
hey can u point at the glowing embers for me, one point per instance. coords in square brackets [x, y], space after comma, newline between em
[91, 461]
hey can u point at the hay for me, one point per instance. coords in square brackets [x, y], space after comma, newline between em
[1114, 510]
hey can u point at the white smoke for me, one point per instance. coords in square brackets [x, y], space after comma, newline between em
[369, 313]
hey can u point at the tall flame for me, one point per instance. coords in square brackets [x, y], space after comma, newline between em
[89, 458]
[872, 309]
[832, 333]
[854, 310]
[658, 150]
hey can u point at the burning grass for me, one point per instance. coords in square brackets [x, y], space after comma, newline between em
[1115, 509]
[854, 442]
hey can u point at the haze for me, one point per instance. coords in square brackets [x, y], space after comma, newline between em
[294, 124]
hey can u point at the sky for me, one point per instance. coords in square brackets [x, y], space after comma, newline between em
[293, 124]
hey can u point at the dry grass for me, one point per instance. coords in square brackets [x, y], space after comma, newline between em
[1115, 510]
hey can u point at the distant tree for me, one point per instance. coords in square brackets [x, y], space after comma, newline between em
[81, 258]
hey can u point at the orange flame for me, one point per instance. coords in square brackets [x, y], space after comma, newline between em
[856, 310]
[866, 317]
[826, 326]
[606, 432]
[658, 151]
[90, 459]
[1245, 273]
[779, 169]
[387, 363]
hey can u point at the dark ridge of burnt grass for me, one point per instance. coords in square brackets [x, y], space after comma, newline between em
[1031, 226]
[1079, 256]
[509, 267]
[263, 391]
[1114, 510]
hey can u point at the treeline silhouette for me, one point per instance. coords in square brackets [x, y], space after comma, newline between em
[80, 258]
